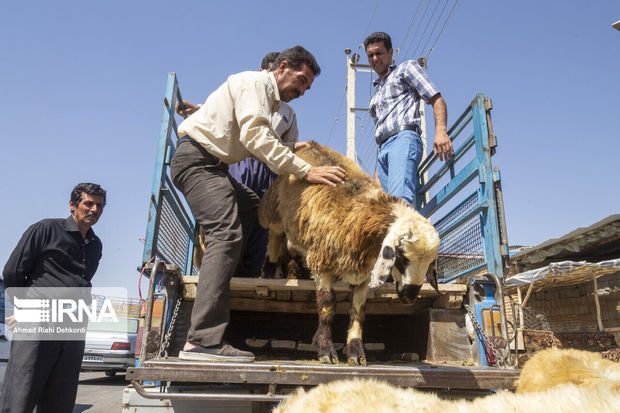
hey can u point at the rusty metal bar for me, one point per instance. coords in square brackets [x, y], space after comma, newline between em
[407, 375]
[206, 396]
[148, 316]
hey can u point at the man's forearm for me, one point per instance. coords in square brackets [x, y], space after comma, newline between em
[440, 112]
[442, 145]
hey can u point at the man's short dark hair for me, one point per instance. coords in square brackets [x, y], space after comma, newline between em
[296, 57]
[379, 37]
[268, 60]
[87, 188]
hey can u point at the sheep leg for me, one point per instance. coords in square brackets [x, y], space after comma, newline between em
[275, 244]
[326, 302]
[355, 347]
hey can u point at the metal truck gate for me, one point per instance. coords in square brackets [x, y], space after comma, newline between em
[472, 230]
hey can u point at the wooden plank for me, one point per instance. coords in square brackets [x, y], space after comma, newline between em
[284, 295]
[260, 284]
[249, 304]
[283, 344]
[448, 301]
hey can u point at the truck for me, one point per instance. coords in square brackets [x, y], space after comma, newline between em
[456, 337]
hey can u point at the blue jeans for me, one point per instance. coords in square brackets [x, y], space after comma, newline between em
[397, 165]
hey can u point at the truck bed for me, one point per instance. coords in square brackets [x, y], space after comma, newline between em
[299, 373]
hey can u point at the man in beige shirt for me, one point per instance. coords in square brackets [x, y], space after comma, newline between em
[256, 175]
[232, 124]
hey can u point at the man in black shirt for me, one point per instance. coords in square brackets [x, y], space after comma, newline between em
[52, 253]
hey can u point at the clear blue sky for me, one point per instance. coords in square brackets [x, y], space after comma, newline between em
[83, 84]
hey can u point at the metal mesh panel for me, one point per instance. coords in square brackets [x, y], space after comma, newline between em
[535, 320]
[172, 238]
[462, 248]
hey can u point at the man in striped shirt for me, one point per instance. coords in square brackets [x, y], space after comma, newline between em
[395, 108]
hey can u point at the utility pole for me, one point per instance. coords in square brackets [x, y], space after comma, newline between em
[422, 63]
[353, 66]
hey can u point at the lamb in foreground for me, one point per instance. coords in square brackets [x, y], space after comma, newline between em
[353, 231]
[558, 381]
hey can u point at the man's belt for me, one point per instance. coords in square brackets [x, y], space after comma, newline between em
[184, 139]
[389, 134]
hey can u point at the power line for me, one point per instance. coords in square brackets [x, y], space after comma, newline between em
[370, 21]
[456, 4]
[416, 30]
[425, 29]
[345, 93]
[411, 24]
[336, 118]
[430, 35]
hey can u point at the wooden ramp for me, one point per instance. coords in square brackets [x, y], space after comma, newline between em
[298, 296]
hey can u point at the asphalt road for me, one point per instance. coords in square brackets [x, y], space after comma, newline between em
[99, 393]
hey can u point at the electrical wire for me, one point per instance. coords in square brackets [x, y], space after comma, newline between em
[424, 32]
[370, 21]
[430, 35]
[417, 29]
[456, 4]
[410, 25]
[336, 118]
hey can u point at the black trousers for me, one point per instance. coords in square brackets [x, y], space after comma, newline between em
[227, 210]
[44, 374]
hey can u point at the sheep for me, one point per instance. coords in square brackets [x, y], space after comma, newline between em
[569, 366]
[599, 393]
[353, 231]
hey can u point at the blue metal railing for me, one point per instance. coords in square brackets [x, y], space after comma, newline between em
[473, 230]
[170, 228]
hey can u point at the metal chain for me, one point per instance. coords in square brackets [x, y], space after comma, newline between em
[173, 319]
[499, 360]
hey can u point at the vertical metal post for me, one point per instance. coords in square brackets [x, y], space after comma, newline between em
[148, 315]
[489, 219]
[350, 109]
[159, 175]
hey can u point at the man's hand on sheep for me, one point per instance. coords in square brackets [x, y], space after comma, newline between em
[300, 145]
[330, 175]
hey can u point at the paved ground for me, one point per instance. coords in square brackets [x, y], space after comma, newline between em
[99, 393]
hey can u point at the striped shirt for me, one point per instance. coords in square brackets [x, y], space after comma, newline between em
[396, 101]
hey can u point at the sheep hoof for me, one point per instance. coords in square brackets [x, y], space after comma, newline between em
[328, 356]
[355, 353]
[326, 359]
[270, 270]
[356, 361]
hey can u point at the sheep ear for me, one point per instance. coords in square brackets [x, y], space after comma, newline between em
[408, 239]
[383, 267]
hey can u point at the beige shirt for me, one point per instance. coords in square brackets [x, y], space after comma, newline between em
[284, 121]
[235, 122]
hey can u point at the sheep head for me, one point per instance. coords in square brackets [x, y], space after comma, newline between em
[406, 252]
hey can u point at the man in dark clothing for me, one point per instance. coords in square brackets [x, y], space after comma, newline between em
[52, 253]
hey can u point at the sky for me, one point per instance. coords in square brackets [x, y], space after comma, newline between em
[83, 86]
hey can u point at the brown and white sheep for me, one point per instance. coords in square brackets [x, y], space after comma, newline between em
[598, 393]
[353, 231]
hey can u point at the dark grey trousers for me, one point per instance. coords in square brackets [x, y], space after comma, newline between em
[226, 210]
[44, 374]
